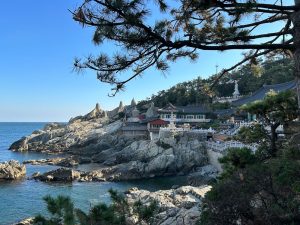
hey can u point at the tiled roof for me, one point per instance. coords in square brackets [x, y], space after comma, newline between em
[192, 109]
[224, 112]
[185, 109]
[147, 120]
[168, 108]
[261, 93]
[158, 122]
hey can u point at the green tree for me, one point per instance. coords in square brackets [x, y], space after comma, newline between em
[274, 110]
[62, 211]
[236, 158]
[252, 134]
[185, 28]
[261, 194]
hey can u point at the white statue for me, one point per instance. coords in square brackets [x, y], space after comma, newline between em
[236, 92]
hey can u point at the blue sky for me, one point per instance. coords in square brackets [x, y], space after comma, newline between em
[39, 41]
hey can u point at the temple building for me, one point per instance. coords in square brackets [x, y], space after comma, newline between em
[257, 95]
[184, 114]
[133, 129]
[155, 125]
[261, 93]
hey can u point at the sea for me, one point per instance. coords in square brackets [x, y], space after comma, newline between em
[24, 198]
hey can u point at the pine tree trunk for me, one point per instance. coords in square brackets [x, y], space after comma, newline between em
[296, 36]
[273, 139]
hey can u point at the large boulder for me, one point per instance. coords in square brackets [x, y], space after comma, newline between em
[27, 221]
[61, 174]
[203, 175]
[12, 170]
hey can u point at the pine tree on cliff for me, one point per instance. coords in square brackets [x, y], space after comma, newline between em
[187, 27]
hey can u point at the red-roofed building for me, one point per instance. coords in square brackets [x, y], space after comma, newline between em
[155, 124]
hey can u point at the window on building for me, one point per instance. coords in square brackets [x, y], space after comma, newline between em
[190, 116]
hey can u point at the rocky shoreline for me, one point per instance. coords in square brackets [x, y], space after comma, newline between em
[97, 138]
[179, 206]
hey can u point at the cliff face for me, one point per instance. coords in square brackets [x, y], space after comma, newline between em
[95, 138]
[57, 137]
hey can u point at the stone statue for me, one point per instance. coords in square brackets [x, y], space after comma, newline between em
[236, 92]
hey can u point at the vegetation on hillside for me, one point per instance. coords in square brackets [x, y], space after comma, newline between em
[199, 91]
[261, 188]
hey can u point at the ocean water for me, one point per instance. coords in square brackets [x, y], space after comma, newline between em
[23, 198]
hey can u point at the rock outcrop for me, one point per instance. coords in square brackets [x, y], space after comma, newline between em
[69, 175]
[203, 175]
[142, 159]
[61, 174]
[55, 138]
[12, 170]
[151, 111]
[70, 161]
[133, 103]
[28, 221]
[181, 206]
[95, 139]
[175, 207]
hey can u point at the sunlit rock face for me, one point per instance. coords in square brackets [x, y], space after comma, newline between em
[12, 170]
[181, 206]
[98, 138]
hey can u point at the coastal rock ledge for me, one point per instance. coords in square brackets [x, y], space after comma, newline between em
[12, 170]
[181, 206]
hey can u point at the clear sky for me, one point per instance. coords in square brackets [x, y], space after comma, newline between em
[38, 43]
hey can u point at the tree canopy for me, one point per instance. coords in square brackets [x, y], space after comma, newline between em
[186, 27]
[274, 110]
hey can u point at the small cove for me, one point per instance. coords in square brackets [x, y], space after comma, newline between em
[23, 198]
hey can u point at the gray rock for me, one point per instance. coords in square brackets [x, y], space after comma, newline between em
[12, 170]
[94, 138]
[203, 175]
[28, 221]
[61, 174]
[151, 111]
[179, 206]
